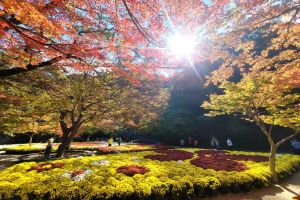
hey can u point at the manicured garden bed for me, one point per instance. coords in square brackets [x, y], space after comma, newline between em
[131, 148]
[100, 147]
[38, 147]
[160, 174]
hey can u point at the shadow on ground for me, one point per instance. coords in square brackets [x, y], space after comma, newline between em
[7, 160]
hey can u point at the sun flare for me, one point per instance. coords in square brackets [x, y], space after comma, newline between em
[181, 45]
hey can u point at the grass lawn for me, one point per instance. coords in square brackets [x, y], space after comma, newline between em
[160, 174]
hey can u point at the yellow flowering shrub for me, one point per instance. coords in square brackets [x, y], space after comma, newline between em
[38, 147]
[23, 149]
[99, 179]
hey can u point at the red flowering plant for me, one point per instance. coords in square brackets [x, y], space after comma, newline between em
[77, 172]
[255, 158]
[226, 155]
[168, 155]
[218, 163]
[221, 160]
[46, 166]
[107, 150]
[210, 152]
[131, 170]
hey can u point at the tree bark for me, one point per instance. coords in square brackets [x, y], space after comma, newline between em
[272, 156]
[29, 67]
[272, 164]
[66, 141]
[68, 132]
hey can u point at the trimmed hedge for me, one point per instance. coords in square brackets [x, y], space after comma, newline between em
[97, 177]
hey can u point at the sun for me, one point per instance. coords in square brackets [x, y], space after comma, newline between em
[181, 45]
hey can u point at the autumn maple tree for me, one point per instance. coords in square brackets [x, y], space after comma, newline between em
[79, 34]
[99, 99]
[259, 50]
[256, 41]
[123, 35]
[257, 98]
[19, 114]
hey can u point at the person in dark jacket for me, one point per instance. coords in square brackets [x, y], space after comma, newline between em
[48, 149]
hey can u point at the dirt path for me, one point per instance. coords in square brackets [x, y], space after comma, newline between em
[285, 190]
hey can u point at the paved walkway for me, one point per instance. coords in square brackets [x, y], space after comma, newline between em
[7, 160]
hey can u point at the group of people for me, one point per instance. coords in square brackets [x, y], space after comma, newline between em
[111, 140]
[190, 142]
[214, 143]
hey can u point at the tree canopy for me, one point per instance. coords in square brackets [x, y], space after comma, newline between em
[131, 36]
[256, 42]
[83, 99]
[260, 71]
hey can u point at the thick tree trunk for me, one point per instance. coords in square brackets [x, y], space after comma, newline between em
[66, 142]
[68, 132]
[272, 164]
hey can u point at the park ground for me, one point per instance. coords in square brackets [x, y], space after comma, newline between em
[285, 190]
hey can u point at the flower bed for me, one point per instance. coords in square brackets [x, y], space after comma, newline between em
[77, 175]
[100, 147]
[218, 164]
[210, 152]
[131, 170]
[225, 155]
[98, 177]
[38, 147]
[222, 160]
[46, 166]
[168, 155]
[25, 149]
[131, 148]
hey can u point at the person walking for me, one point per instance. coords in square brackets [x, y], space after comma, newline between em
[229, 143]
[48, 149]
[195, 143]
[214, 143]
[119, 140]
[182, 142]
[110, 141]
